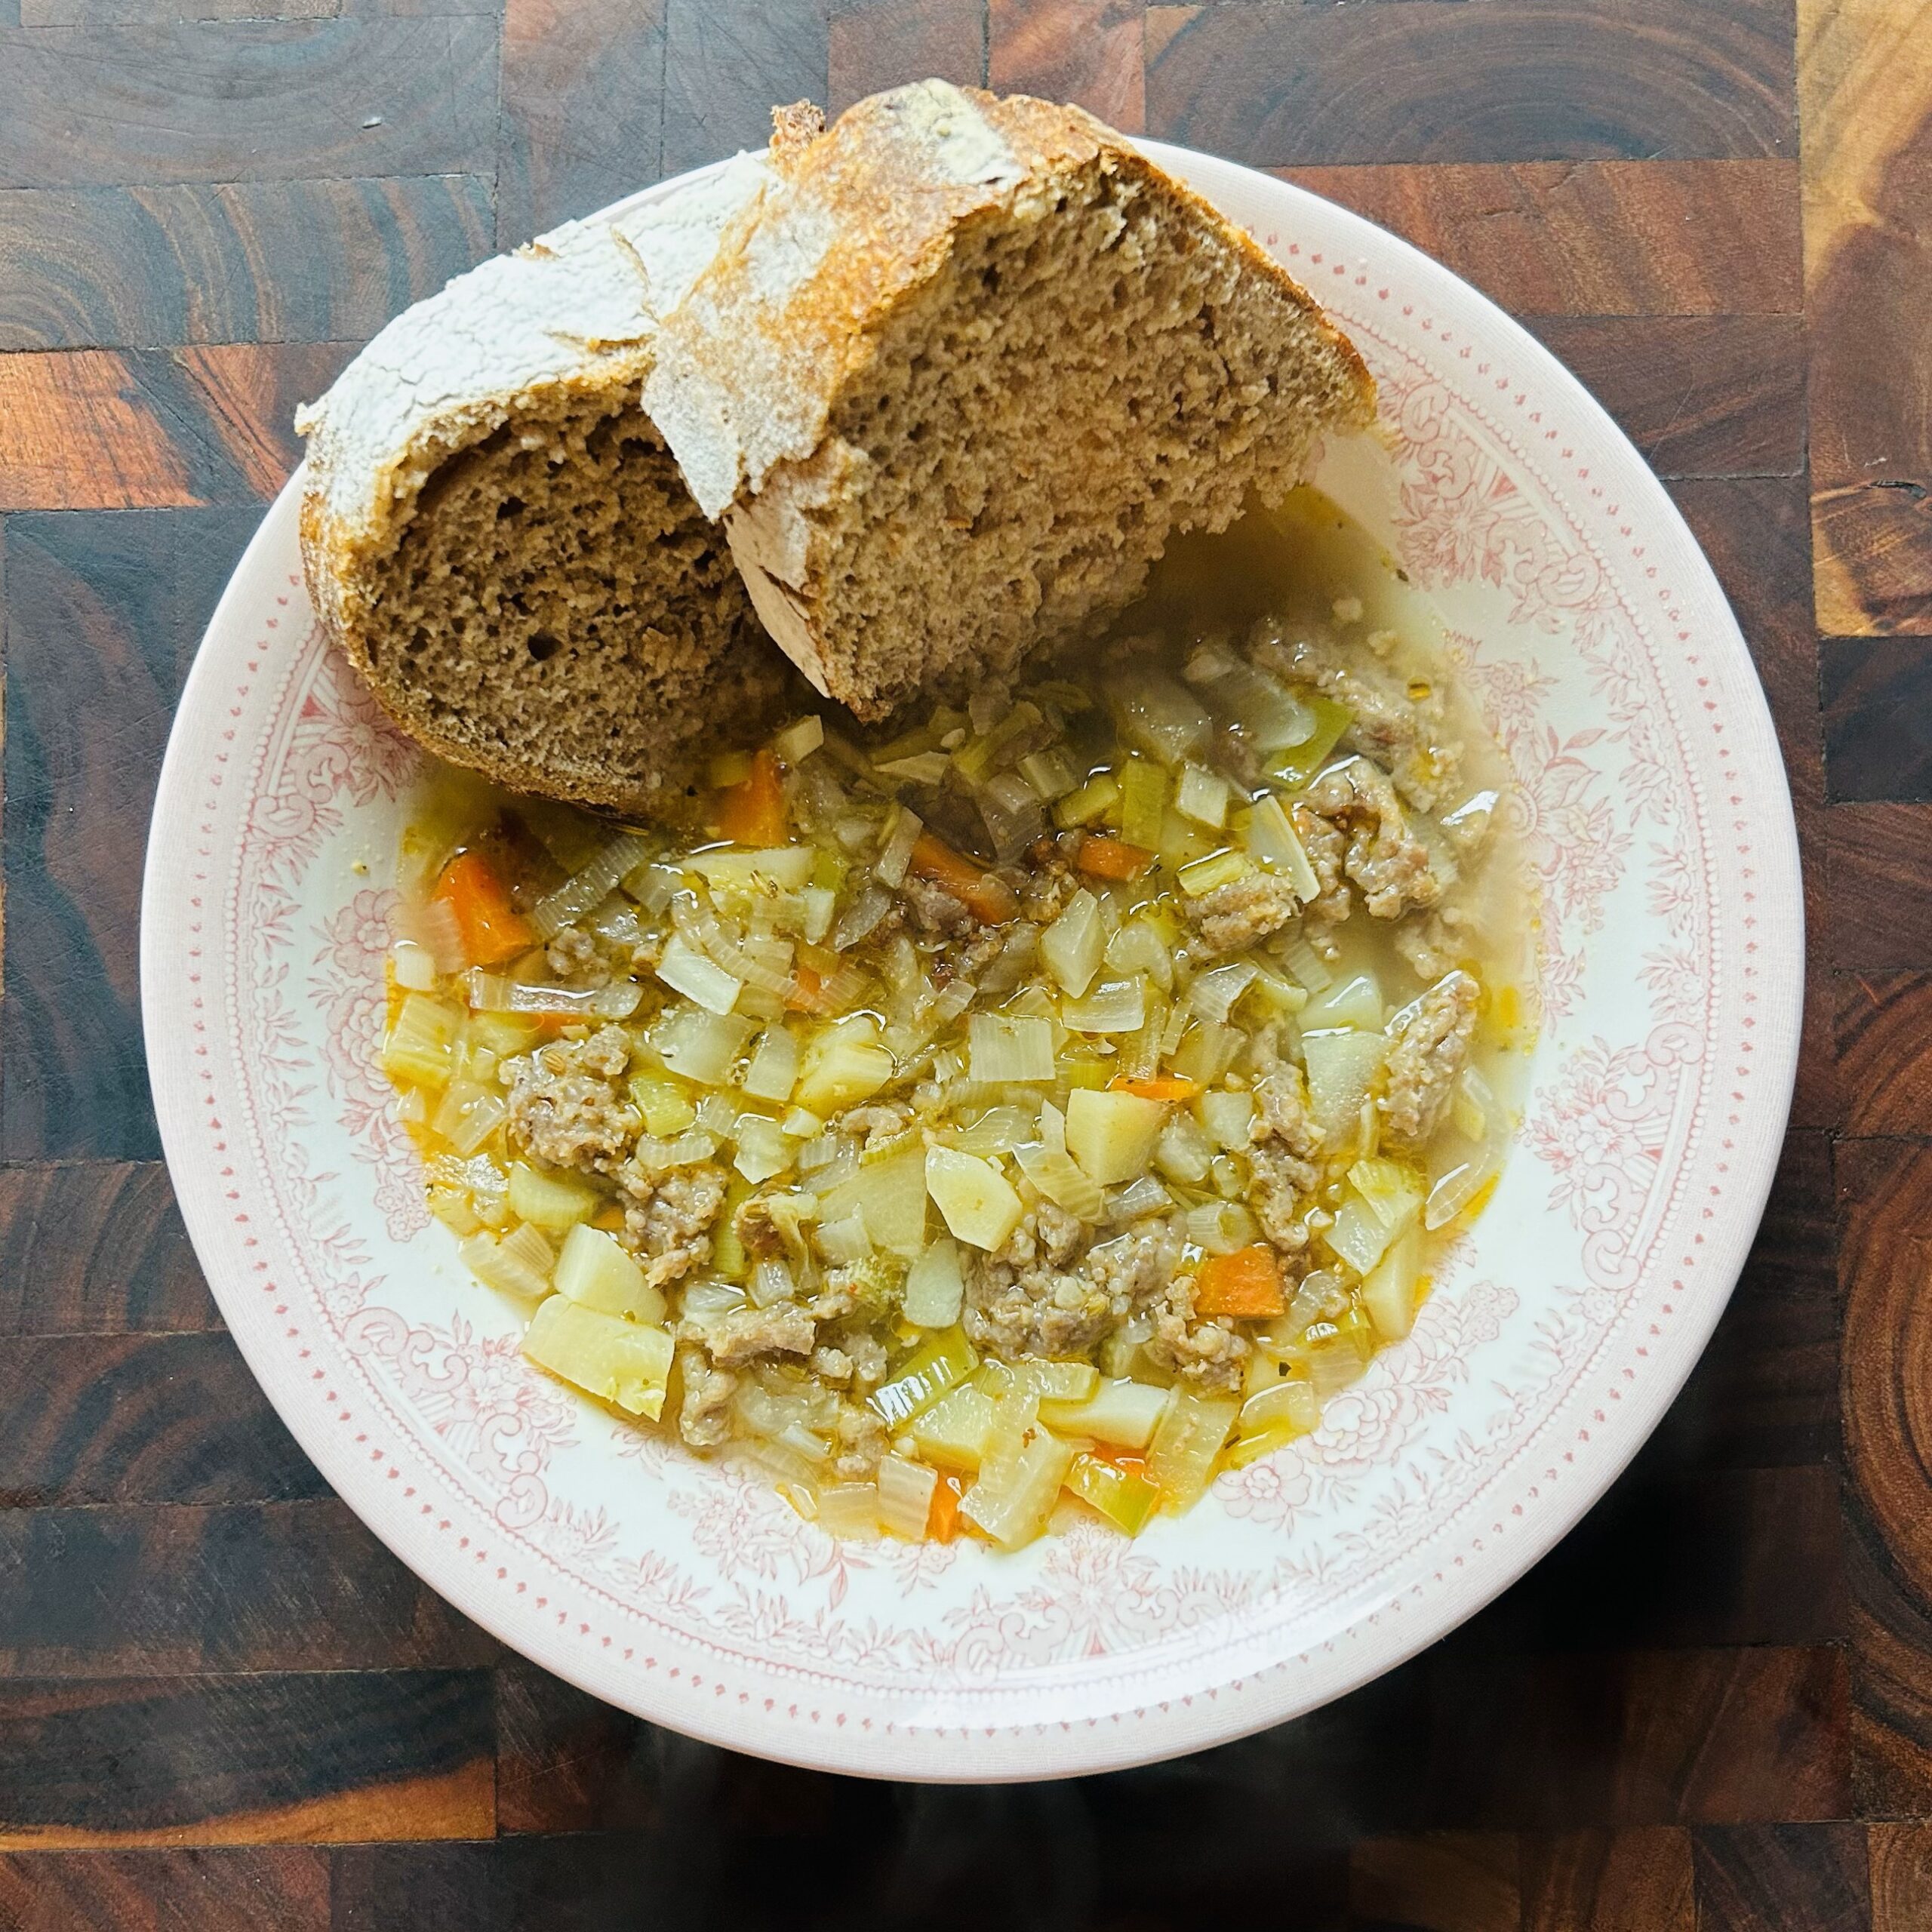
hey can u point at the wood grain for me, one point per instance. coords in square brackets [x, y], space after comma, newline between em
[1608, 1881]
[1878, 913]
[1485, 80]
[1877, 697]
[1779, 1878]
[1899, 1857]
[727, 64]
[103, 614]
[1448, 1881]
[1866, 96]
[261, 1759]
[238, 1890]
[96, 1248]
[136, 1419]
[519, 1885]
[1883, 1027]
[567, 1762]
[874, 44]
[1885, 1257]
[1091, 52]
[300, 261]
[1595, 237]
[280, 101]
[161, 1589]
[149, 429]
[582, 109]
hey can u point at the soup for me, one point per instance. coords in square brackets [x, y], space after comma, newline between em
[1026, 1112]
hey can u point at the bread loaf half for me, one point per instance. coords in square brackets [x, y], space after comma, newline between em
[961, 367]
[495, 533]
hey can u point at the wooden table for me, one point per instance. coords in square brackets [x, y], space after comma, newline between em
[222, 1704]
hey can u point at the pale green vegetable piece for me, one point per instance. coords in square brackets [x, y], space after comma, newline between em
[1156, 715]
[1180, 1457]
[519, 1264]
[550, 1200]
[775, 869]
[942, 1362]
[685, 969]
[905, 1496]
[1183, 1152]
[891, 1194]
[1071, 945]
[1112, 1135]
[421, 1046]
[935, 1287]
[1281, 1412]
[597, 1272]
[977, 1202]
[773, 1071]
[1343, 1069]
[1010, 1047]
[1459, 1187]
[701, 1046]
[1202, 795]
[954, 1430]
[1357, 1234]
[1143, 802]
[666, 1108]
[1017, 1485]
[763, 1148]
[1091, 803]
[849, 1510]
[1388, 1293]
[1061, 1178]
[619, 1361]
[1273, 843]
[1057, 1381]
[1393, 1188]
[1115, 1006]
[1125, 1414]
[1206, 874]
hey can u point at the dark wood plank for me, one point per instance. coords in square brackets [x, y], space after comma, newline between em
[567, 1762]
[1755, 531]
[301, 261]
[1884, 1047]
[261, 1759]
[133, 1418]
[1900, 1859]
[1879, 893]
[1884, 1258]
[728, 62]
[1658, 1738]
[1700, 396]
[103, 612]
[1092, 52]
[1708, 1558]
[1447, 1882]
[238, 1889]
[151, 429]
[1866, 89]
[604, 1884]
[160, 1589]
[96, 1248]
[273, 101]
[1766, 1391]
[1608, 1881]
[1877, 695]
[875, 45]
[1488, 80]
[583, 107]
[1777, 1877]
[1595, 237]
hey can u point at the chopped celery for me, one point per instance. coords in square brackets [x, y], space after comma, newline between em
[1091, 803]
[1219, 868]
[1289, 1404]
[1017, 1485]
[1343, 1069]
[469, 1113]
[1180, 1458]
[1306, 964]
[666, 1108]
[1112, 1134]
[1115, 1006]
[1220, 1227]
[849, 1510]
[1215, 994]
[1050, 773]
[1156, 715]
[519, 1264]
[1125, 1498]
[1059, 1177]
[939, 1363]
[1143, 802]
[1295, 765]
[595, 1271]
[1125, 1414]
[619, 1361]
[1202, 795]
[685, 969]
[1071, 945]
[954, 1429]
[503, 1034]
[763, 1148]
[421, 1046]
[975, 1201]
[935, 1287]
[550, 1200]
[1004, 1047]
[1336, 1352]
[1390, 1292]
[1206, 1051]
[905, 1496]
[1057, 1381]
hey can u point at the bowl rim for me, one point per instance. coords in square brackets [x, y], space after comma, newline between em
[1169, 1727]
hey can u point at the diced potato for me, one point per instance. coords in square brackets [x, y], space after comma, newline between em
[619, 1361]
[773, 1071]
[666, 1108]
[596, 1273]
[1111, 1134]
[934, 1288]
[1202, 795]
[550, 1200]
[977, 1202]
[1071, 947]
[954, 1431]
[1125, 1414]
[1227, 1117]
[1390, 1292]
[845, 1065]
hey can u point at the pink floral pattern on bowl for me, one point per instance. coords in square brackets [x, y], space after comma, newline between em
[1653, 808]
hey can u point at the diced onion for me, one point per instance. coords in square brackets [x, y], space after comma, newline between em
[490, 993]
[905, 1496]
[685, 970]
[1115, 1006]
[1144, 1197]
[519, 1265]
[1222, 1227]
[1214, 995]
[862, 915]
[773, 1071]
[587, 889]
[934, 1286]
[896, 853]
[1005, 1048]
[1457, 1188]
[1071, 945]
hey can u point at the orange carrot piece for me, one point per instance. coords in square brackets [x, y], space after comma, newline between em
[990, 900]
[609, 1218]
[943, 1519]
[1159, 1087]
[753, 811]
[1102, 857]
[492, 929]
[804, 997]
[1245, 1285]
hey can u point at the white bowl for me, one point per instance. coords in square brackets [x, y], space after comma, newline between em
[1609, 665]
